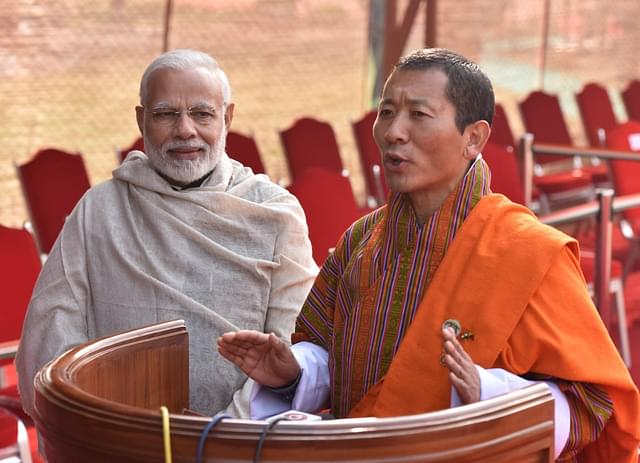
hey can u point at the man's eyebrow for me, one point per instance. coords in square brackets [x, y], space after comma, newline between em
[198, 105]
[202, 105]
[413, 101]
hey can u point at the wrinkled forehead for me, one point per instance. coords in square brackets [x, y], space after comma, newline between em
[415, 84]
[183, 88]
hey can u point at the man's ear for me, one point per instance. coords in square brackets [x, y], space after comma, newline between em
[477, 134]
[140, 119]
[228, 115]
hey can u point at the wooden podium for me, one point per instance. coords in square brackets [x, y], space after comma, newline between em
[99, 403]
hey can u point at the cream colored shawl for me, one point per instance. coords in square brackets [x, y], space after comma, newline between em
[231, 254]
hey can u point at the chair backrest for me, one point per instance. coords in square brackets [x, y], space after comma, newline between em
[244, 149]
[501, 133]
[52, 183]
[18, 273]
[596, 112]
[505, 172]
[626, 174]
[370, 157]
[329, 205]
[542, 116]
[137, 145]
[631, 99]
[310, 143]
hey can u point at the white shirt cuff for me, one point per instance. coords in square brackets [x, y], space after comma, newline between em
[312, 391]
[496, 381]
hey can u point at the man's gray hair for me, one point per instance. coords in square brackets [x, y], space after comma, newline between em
[183, 59]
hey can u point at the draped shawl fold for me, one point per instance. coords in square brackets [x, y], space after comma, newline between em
[231, 254]
[500, 258]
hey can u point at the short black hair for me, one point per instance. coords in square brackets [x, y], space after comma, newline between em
[468, 87]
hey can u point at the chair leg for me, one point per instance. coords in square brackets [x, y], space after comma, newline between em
[632, 257]
[23, 443]
[622, 325]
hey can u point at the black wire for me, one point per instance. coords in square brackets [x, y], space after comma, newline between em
[263, 436]
[205, 432]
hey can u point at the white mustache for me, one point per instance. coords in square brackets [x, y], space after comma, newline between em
[177, 146]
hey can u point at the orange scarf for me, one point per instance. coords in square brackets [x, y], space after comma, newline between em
[499, 259]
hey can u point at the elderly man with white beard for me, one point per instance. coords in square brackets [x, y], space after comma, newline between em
[181, 232]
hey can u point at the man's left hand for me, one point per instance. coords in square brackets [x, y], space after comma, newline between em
[462, 371]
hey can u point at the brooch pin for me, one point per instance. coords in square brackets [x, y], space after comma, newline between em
[457, 329]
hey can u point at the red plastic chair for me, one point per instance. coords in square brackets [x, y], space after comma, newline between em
[244, 149]
[18, 274]
[626, 180]
[505, 173]
[376, 185]
[547, 188]
[501, 133]
[52, 183]
[329, 205]
[626, 174]
[596, 112]
[632, 297]
[631, 99]
[311, 143]
[137, 145]
[542, 116]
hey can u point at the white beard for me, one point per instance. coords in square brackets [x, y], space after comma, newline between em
[180, 171]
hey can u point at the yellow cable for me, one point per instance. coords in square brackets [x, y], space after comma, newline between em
[166, 434]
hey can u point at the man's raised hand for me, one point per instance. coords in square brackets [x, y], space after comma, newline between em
[263, 357]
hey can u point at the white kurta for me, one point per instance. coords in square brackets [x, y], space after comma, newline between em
[232, 254]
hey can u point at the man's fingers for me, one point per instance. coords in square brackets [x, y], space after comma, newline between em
[454, 347]
[244, 339]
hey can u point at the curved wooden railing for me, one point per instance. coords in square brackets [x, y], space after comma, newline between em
[99, 403]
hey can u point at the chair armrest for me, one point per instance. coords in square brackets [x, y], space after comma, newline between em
[8, 349]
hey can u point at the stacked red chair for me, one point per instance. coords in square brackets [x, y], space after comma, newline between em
[18, 274]
[244, 149]
[136, 145]
[542, 116]
[52, 181]
[369, 154]
[311, 143]
[596, 113]
[631, 99]
[329, 205]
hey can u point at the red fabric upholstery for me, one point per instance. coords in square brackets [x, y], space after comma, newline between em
[328, 203]
[505, 174]
[310, 143]
[632, 297]
[626, 174]
[18, 274]
[631, 99]
[501, 133]
[244, 149]
[596, 112]
[52, 182]
[369, 153]
[543, 117]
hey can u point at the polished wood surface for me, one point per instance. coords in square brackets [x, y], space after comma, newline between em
[99, 403]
